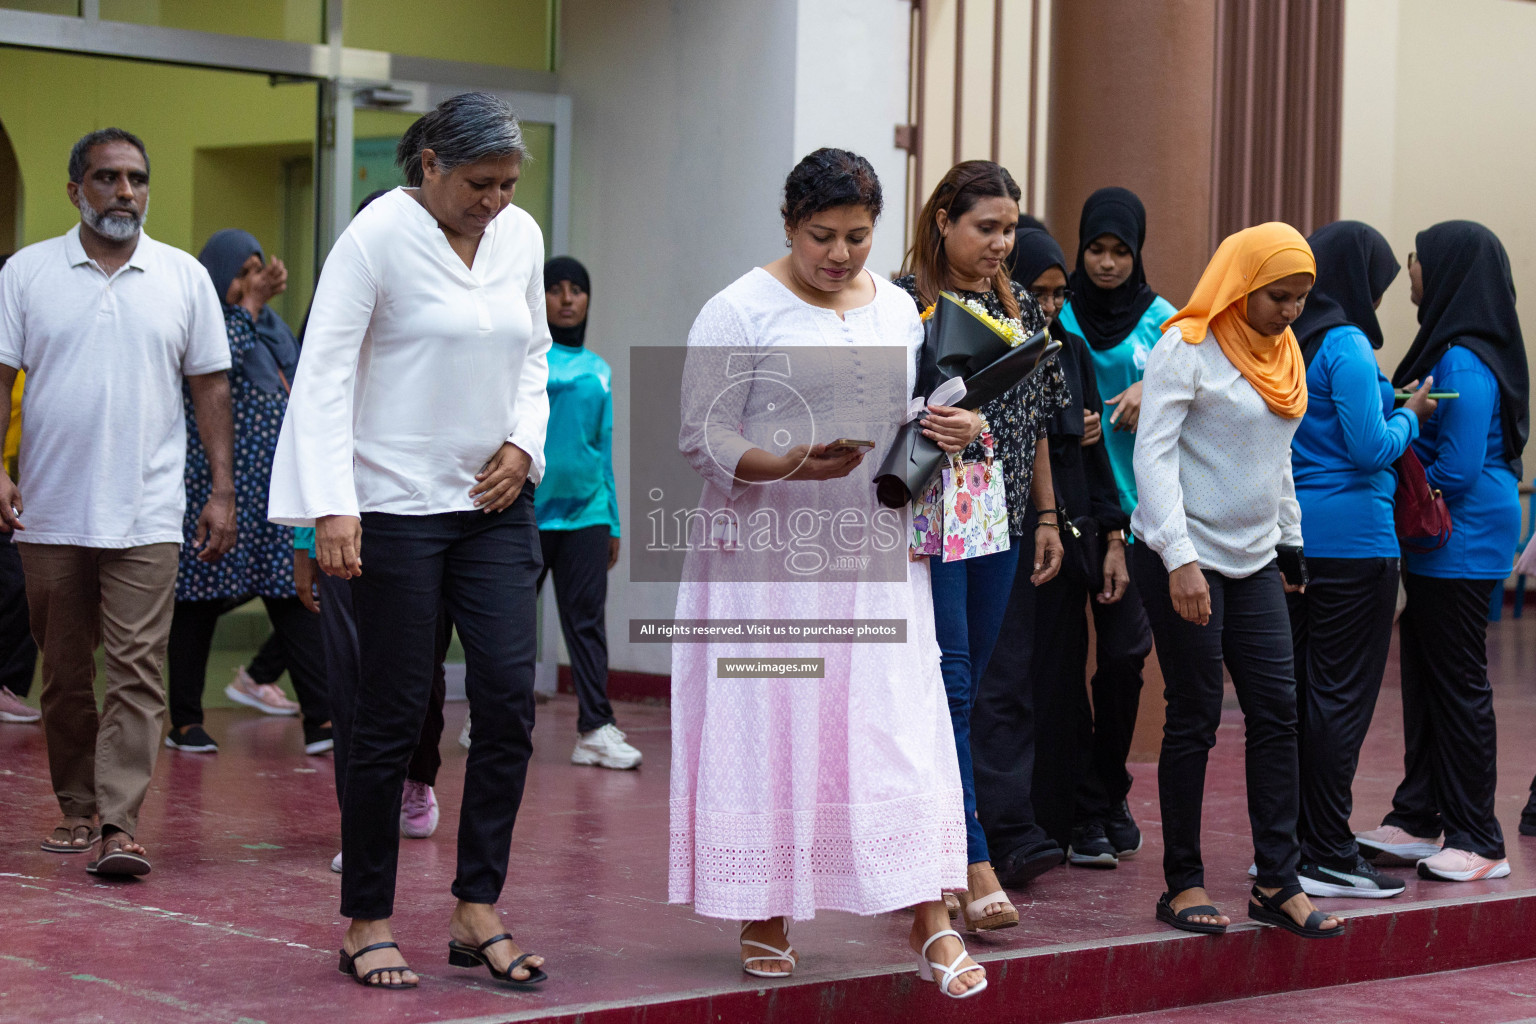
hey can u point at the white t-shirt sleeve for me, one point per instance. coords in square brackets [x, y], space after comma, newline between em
[532, 395]
[10, 317]
[207, 339]
[312, 470]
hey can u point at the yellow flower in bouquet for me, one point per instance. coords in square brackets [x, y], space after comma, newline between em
[1007, 328]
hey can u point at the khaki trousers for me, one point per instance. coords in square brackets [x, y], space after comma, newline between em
[81, 597]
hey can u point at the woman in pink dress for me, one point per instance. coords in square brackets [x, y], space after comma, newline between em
[840, 792]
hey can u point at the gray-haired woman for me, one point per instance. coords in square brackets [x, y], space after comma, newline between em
[413, 440]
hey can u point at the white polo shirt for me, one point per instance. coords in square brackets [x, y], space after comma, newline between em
[105, 447]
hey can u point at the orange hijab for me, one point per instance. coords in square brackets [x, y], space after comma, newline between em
[1244, 263]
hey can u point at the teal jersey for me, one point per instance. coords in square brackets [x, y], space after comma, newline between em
[577, 490]
[1117, 368]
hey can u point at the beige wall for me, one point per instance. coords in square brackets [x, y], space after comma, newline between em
[1440, 124]
[937, 115]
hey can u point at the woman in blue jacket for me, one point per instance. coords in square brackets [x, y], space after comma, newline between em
[1469, 341]
[1114, 309]
[1341, 458]
[578, 508]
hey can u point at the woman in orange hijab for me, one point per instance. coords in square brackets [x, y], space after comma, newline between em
[1224, 391]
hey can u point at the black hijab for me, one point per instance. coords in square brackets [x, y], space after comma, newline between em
[1035, 252]
[270, 365]
[1469, 300]
[1355, 266]
[1107, 316]
[565, 268]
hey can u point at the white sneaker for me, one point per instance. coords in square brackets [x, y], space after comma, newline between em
[336, 863]
[13, 710]
[1461, 866]
[464, 734]
[1391, 846]
[605, 747]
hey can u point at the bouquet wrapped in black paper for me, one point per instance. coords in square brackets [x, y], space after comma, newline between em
[988, 355]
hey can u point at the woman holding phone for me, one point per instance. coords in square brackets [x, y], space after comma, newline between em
[792, 795]
[1470, 342]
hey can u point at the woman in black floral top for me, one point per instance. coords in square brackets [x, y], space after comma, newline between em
[264, 353]
[962, 237]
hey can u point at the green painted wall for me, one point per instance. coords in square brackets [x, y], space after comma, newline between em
[300, 21]
[226, 150]
[511, 33]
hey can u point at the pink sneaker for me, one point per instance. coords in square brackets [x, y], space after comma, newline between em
[13, 710]
[1392, 847]
[264, 697]
[1461, 866]
[418, 810]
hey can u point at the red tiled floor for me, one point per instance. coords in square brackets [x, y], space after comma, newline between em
[1500, 994]
[238, 921]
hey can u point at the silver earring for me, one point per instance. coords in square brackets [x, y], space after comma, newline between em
[788, 244]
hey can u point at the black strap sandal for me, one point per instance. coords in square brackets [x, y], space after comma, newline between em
[1180, 919]
[348, 966]
[1269, 910]
[462, 954]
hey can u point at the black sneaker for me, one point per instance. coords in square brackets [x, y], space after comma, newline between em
[1121, 831]
[1364, 882]
[1022, 866]
[192, 739]
[1089, 847]
[318, 740]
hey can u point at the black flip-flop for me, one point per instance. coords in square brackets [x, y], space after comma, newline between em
[461, 954]
[1269, 911]
[1180, 919]
[118, 862]
[348, 966]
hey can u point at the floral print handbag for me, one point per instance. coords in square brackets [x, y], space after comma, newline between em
[965, 513]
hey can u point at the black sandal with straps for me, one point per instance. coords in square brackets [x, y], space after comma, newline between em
[461, 954]
[1180, 919]
[348, 966]
[1270, 910]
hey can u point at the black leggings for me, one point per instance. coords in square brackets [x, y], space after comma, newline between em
[484, 567]
[578, 559]
[1250, 632]
[1341, 629]
[1451, 761]
[192, 628]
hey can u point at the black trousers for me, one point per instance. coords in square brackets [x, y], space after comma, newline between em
[1250, 632]
[18, 651]
[268, 664]
[296, 628]
[578, 559]
[1003, 722]
[1064, 720]
[338, 631]
[1450, 768]
[1122, 641]
[1341, 630]
[484, 566]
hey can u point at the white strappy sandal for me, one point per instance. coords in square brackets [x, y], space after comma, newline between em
[786, 954]
[926, 967]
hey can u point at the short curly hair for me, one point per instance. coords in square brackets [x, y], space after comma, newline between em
[830, 178]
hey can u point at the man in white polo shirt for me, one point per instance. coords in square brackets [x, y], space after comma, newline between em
[107, 322]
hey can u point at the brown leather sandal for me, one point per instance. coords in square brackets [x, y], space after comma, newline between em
[74, 835]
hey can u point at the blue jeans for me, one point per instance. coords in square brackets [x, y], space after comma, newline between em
[969, 598]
